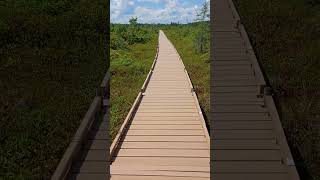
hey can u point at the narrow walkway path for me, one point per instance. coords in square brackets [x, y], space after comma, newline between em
[248, 142]
[166, 137]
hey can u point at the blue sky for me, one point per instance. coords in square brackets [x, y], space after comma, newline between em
[155, 11]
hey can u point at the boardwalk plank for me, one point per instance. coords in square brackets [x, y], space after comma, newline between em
[156, 122]
[163, 153]
[160, 173]
[164, 118]
[160, 161]
[165, 138]
[166, 127]
[251, 176]
[165, 145]
[247, 167]
[244, 144]
[244, 134]
[246, 155]
[157, 132]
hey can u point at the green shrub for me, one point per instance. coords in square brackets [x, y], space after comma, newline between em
[117, 42]
[134, 33]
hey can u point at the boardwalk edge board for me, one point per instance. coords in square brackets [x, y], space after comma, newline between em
[81, 135]
[268, 99]
[126, 122]
[263, 91]
[256, 67]
[203, 122]
[281, 138]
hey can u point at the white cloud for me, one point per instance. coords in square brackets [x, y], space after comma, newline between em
[172, 11]
[117, 7]
[152, 1]
[171, 3]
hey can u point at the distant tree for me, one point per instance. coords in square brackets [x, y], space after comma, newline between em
[203, 13]
[201, 40]
[133, 21]
[135, 33]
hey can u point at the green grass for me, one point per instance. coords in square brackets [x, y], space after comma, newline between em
[129, 69]
[53, 56]
[286, 38]
[197, 64]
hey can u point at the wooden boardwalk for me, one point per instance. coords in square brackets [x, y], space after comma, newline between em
[248, 142]
[165, 138]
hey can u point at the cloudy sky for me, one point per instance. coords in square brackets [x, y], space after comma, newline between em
[155, 11]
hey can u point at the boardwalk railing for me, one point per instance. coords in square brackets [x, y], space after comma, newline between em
[281, 138]
[98, 106]
[125, 124]
[263, 91]
[255, 64]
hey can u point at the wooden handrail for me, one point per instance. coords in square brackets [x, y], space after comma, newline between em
[287, 158]
[256, 67]
[77, 141]
[255, 63]
[103, 88]
[106, 79]
[80, 137]
[234, 13]
[87, 121]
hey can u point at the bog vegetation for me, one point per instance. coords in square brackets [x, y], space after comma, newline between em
[53, 55]
[132, 50]
[286, 37]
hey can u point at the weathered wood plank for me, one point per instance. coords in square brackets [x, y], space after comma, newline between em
[242, 125]
[163, 153]
[160, 173]
[247, 167]
[157, 122]
[170, 132]
[160, 161]
[251, 176]
[246, 155]
[244, 144]
[243, 134]
[165, 138]
[164, 145]
[138, 177]
[166, 127]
